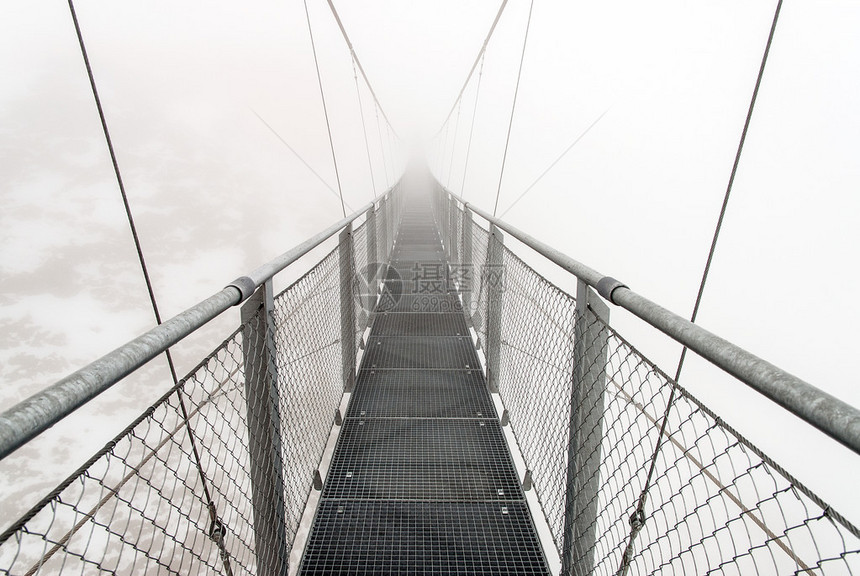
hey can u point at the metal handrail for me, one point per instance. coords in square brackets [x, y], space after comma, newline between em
[829, 414]
[32, 416]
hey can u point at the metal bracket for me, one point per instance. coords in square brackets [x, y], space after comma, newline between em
[245, 286]
[607, 285]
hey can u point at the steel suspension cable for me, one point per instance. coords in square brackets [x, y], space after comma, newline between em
[297, 155]
[554, 162]
[732, 175]
[478, 58]
[472, 128]
[637, 520]
[442, 153]
[381, 144]
[325, 109]
[513, 107]
[363, 127]
[216, 531]
[454, 145]
[358, 62]
[392, 150]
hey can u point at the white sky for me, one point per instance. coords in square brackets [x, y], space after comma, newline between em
[215, 193]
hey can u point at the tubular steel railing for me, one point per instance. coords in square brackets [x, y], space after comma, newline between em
[213, 477]
[633, 473]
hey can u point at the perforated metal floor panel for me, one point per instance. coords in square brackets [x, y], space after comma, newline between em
[421, 394]
[421, 480]
[416, 253]
[424, 353]
[418, 240]
[422, 459]
[425, 303]
[422, 277]
[420, 324]
[463, 538]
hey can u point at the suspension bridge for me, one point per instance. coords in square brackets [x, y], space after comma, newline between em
[423, 401]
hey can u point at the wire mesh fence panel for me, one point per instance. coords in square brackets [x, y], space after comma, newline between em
[307, 317]
[474, 288]
[536, 367]
[696, 499]
[714, 503]
[142, 504]
[362, 282]
[454, 247]
[214, 471]
[215, 476]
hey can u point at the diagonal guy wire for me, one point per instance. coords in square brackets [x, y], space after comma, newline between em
[296, 154]
[210, 503]
[639, 514]
[556, 161]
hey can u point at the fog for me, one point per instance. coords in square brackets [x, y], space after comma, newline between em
[217, 191]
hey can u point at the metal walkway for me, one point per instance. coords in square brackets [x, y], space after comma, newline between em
[421, 480]
[631, 473]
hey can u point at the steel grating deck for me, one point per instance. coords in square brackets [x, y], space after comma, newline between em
[420, 394]
[419, 324]
[421, 480]
[439, 303]
[435, 459]
[462, 538]
[420, 352]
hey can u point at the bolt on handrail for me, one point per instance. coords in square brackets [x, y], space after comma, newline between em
[829, 414]
[31, 417]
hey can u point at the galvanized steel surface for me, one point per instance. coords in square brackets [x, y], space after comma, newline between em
[832, 416]
[29, 418]
[421, 480]
[716, 503]
[36, 414]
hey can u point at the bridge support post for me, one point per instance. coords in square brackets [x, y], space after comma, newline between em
[347, 307]
[585, 433]
[442, 217]
[443, 222]
[373, 268]
[264, 433]
[468, 276]
[451, 241]
[494, 279]
[389, 223]
[384, 248]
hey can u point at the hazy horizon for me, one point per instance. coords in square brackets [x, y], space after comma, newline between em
[216, 193]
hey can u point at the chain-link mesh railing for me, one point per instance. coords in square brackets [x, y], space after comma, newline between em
[309, 366]
[140, 505]
[536, 360]
[715, 503]
[587, 411]
[216, 475]
[363, 284]
[633, 474]
[372, 242]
